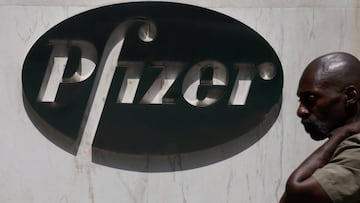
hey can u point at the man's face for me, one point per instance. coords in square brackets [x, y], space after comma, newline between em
[321, 106]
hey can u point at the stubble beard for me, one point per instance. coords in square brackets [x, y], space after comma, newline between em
[316, 129]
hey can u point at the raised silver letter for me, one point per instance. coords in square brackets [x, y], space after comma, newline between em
[161, 85]
[130, 82]
[57, 63]
[242, 83]
[192, 82]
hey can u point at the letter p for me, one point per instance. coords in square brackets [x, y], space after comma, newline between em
[57, 63]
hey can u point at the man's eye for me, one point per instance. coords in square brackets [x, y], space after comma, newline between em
[308, 99]
[311, 97]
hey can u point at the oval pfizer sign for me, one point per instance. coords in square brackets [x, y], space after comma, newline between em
[150, 78]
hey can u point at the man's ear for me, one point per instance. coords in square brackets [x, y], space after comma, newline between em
[352, 95]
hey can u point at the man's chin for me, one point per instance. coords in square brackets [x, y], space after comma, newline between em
[316, 130]
[316, 134]
[318, 137]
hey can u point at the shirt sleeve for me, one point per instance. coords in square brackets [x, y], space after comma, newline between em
[340, 178]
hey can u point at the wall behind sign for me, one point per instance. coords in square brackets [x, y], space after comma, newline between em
[33, 169]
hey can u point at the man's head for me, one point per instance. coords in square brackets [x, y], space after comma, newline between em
[329, 93]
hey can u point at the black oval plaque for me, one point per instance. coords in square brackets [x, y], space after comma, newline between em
[174, 78]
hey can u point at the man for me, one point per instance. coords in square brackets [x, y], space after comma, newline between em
[329, 108]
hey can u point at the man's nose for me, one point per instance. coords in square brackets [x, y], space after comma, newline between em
[303, 111]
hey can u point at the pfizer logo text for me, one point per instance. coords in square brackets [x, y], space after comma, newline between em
[150, 78]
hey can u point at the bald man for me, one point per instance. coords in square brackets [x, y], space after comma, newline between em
[329, 108]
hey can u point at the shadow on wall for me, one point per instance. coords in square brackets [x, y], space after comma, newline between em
[163, 163]
[191, 160]
[55, 136]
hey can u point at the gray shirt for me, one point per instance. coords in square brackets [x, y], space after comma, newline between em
[340, 178]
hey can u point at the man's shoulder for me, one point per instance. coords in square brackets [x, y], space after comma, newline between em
[350, 145]
[353, 139]
[340, 177]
